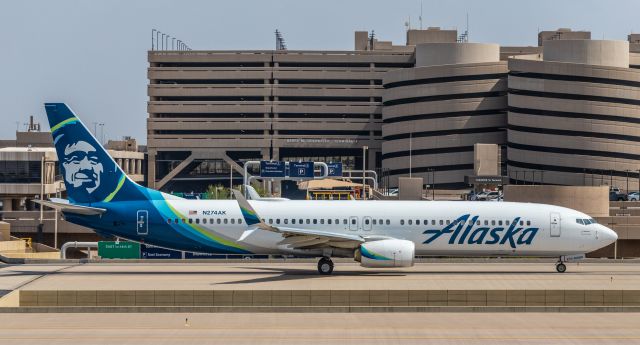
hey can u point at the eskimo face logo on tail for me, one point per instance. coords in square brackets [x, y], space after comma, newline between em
[466, 230]
[82, 168]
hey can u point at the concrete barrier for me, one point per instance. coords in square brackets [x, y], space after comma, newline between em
[328, 298]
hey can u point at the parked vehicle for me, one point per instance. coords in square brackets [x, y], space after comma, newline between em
[617, 196]
[633, 196]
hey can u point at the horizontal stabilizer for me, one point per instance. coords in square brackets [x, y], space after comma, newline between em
[64, 206]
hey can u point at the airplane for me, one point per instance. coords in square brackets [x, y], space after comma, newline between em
[375, 233]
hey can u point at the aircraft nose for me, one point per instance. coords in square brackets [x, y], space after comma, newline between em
[606, 235]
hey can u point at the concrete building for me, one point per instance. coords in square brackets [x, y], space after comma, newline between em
[574, 114]
[29, 167]
[434, 113]
[211, 109]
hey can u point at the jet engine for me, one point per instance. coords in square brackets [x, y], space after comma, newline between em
[386, 253]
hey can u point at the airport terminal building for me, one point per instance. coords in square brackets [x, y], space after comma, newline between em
[562, 112]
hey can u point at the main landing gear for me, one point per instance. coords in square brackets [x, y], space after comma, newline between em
[325, 266]
[561, 267]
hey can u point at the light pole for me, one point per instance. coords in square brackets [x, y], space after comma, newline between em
[410, 153]
[153, 32]
[364, 170]
[101, 133]
[163, 41]
[173, 41]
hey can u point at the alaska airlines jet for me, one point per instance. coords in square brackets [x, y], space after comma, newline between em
[374, 233]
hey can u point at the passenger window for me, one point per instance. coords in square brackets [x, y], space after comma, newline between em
[425, 222]
[366, 221]
[183, 220]
[486, 222]
[493, 222]
[374, 222]
[293, 221]
[308, 221]
[337, 221]
[433, 222]
[240, 220]
[528, 222]
[344, 221]
[500, 222]
[401, 221]
[226, 221]
[197, 220]
[353, 221]
[388, 222]
[286, 221]
[322, 221]
[300, 221]
[410, 222]
[521, 223]
[507, 222]
[233, 220]
[441, 222]
[277, 220]
[190, 220]
[315, 221]
[417, 221]
[218, 221]
[176, 221]
[169, 221]
[328, 221]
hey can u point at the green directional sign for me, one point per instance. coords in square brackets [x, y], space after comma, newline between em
[119, 250]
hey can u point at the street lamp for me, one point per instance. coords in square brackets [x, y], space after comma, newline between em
[364, 169]
[153, 31]
[163, 41]
[173, 41]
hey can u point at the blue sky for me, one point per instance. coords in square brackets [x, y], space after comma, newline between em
[92, 54]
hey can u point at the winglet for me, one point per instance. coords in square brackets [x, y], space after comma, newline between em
[249, 214]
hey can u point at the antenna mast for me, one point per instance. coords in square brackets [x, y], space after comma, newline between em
[280, 44]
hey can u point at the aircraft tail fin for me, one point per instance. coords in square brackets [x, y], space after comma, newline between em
[90, 174]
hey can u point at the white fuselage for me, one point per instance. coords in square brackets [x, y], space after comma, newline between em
[436, 227]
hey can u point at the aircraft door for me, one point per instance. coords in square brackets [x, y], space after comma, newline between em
[353, 223]
[142, 222]
[555, 224]
[366, 223]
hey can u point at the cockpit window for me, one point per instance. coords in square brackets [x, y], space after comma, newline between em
[593, 221]
[580, 221]
[586, 221]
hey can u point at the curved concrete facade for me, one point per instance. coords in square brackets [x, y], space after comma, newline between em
[574, 123]
[433, 54]
[441, 112]
[589, 52]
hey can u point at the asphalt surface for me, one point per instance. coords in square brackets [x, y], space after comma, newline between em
[303, 276]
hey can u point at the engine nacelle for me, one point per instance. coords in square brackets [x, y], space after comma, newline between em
[386, 253]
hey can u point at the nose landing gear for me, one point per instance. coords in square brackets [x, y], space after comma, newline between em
[561, 267]
[325, 266]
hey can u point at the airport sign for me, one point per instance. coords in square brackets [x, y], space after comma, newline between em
[118, 250]
[301, 169]
[275, 169]
[335, 169]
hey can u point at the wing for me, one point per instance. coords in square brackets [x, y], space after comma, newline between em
[295, 237]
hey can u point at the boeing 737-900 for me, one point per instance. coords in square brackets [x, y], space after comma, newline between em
[375, 233]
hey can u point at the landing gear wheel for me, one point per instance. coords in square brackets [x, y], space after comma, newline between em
[561, 268]
[325, 266]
